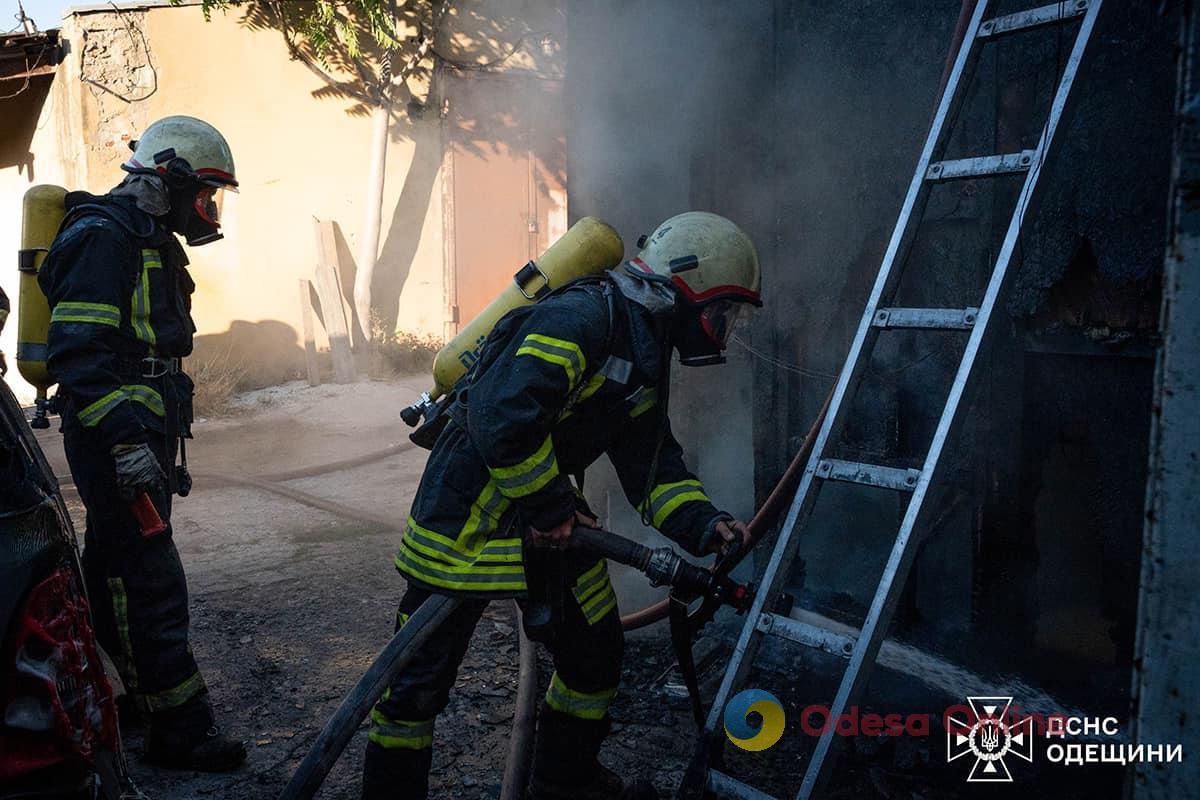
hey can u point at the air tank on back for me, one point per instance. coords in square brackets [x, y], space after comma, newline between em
[42, 213]
[589, 247]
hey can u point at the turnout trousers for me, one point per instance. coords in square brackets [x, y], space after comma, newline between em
[137, 587]
[573, 717]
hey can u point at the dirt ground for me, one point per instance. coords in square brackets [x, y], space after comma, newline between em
[290, 604]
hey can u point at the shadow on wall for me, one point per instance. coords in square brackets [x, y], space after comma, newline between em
[19, 114]
[250, 355]
[465, 41]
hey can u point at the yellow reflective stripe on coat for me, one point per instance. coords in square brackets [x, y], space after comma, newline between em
[175, 697]
[667, 497]
[139, 306]
[92, 313]
[484, 518]
[91, 415]
[556, 351]
[528, 476]
[646, 398]
[150, 398]
[582, 705]
[415, 560]
[455, 551]
[400, 734]
[594, 593]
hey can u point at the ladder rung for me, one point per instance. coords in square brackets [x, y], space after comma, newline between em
[904, 480]
[1032, 18]
[722, 785]
[930, 319]
[836, 644]
[959, 168]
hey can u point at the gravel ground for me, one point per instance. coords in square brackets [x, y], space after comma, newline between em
[290, 604]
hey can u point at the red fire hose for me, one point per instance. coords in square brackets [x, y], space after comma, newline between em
[762, 522]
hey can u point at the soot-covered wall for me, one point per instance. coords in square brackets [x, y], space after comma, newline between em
[803, 121]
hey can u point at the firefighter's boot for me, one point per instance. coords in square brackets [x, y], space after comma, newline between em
[187, 738]
[396, 773]
[565, 765]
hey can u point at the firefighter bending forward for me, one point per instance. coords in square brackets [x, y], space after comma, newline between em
[582, 373]
[120, 295]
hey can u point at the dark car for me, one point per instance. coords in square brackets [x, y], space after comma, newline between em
[58, 722]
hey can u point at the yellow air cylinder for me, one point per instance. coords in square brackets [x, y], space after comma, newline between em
[589, 247]
[41, 214]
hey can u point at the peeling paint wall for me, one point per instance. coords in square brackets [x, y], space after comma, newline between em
[301, 150]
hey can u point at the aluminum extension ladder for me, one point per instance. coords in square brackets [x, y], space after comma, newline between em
[877, 317]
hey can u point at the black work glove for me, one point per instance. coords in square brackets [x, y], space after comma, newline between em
[137, 470]
[724, 534]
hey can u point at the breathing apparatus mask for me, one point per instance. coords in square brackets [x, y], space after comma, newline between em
[701, 333]
[195, 199]
[700, 330]
[712, 269]
[195, 204]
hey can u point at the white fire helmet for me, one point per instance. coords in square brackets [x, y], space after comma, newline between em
[713, 267]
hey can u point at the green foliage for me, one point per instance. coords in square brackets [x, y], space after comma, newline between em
[402, 353]
[327, 25]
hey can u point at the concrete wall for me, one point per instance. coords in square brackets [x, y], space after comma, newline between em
[301, 150]
[803, 121]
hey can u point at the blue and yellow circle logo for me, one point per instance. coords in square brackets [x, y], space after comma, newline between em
[737, 719]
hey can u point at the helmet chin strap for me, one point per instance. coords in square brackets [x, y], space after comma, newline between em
[702, 361]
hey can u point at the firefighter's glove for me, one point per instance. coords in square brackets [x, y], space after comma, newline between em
[137, 470]
[556, 538]
[723, 534]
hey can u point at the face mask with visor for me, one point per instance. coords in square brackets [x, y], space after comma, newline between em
[701, 334]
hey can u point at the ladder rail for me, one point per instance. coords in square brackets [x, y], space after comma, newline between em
[887, 594]
[885, 282]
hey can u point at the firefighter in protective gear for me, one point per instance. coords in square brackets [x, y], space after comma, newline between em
[582, 373]
[117, 282]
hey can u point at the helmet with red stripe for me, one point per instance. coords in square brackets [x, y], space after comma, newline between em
[713, 267]
[195, 141]
[195, 160]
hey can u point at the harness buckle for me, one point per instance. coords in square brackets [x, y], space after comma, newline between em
[154, 367]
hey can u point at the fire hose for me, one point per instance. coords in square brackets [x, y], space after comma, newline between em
[763, 520]
[661, 565]
[337, 733]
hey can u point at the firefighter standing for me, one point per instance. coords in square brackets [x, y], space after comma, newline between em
[582, 373]
[120, 295]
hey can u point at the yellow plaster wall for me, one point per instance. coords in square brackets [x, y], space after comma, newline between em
[298, 156]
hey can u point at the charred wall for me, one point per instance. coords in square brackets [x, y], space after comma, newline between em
[802, 121]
